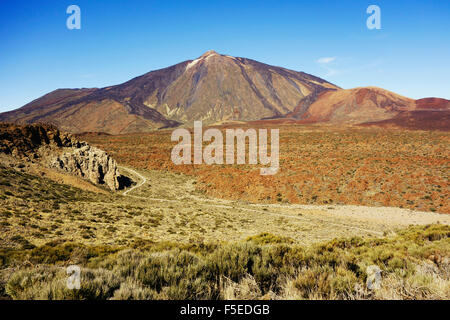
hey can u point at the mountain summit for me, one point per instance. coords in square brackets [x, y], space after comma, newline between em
[217, 88]
[212, 88]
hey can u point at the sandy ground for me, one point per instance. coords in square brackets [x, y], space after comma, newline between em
[388, 216]
[304, 223]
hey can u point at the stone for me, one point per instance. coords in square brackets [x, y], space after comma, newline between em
[90, 163]
[46, 145]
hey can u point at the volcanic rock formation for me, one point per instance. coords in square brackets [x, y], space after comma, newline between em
[51, 148]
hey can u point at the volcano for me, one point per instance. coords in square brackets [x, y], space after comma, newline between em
[212, 88]
[217, 88]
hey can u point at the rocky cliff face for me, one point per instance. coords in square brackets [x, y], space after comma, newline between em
[58, 150]
[25, 141]
[90, 163]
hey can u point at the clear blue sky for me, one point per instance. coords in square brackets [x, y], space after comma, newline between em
[122, 39]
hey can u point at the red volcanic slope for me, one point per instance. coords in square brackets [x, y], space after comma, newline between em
[352, 106]
[417, 120]
[372, 106]
[433, 103]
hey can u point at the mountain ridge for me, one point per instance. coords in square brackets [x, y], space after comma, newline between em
[214, 88]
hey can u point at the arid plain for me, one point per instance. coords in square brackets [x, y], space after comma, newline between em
[344, 198]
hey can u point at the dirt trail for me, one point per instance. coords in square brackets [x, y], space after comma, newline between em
[140, 184]
[362, 220]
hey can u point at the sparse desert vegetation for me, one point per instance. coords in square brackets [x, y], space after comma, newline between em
[414, 263]
[318, 165]
[173, 174]
[133, 247]
[185, 234]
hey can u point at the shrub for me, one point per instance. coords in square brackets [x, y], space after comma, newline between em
[268, 238]
[415, 264]
[50, 284]
[134, 290]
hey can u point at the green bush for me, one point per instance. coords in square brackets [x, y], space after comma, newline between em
[334, 270]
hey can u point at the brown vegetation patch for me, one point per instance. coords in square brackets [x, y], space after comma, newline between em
[319, 165]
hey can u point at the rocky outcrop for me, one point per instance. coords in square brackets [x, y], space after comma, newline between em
[90, 163]
[46, 145]
[26, 140]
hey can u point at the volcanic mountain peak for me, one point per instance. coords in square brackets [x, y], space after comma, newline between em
[203, 57]
[213, 88]
[208, 53]
[211, 56]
